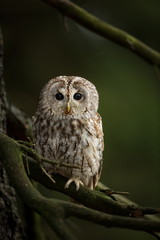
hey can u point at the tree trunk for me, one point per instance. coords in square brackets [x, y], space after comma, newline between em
[10, 224]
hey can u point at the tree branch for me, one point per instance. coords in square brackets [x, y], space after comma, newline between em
[56, 211]
[106, 30]
[123, 199]
[111, 220]
[87, 197]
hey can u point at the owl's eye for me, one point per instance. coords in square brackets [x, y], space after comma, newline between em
[77, 96]
[59, 96]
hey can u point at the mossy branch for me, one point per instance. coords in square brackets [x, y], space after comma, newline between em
[56, 211]
[85, 196]
[92, 23]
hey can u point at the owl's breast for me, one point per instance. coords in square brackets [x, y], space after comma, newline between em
[58, 139]
[66, 137]
[60, 136]
[71, 141]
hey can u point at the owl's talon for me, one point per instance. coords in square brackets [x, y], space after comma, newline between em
[77, 182]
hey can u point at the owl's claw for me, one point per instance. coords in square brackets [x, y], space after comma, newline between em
[77, 182]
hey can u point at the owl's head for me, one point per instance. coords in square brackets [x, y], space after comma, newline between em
[69, 96]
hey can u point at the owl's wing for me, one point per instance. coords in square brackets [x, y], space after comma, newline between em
[99, 130]
[100, 145]
[96, 131]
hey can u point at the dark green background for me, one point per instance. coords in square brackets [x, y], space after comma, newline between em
[38, 48]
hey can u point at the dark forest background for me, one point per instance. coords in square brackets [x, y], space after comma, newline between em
[38, 46]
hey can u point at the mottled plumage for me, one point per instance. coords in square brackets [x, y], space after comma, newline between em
[68, 129]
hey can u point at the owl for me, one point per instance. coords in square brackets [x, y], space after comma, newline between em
[68, 129]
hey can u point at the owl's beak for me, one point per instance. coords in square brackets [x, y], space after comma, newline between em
[68, 108]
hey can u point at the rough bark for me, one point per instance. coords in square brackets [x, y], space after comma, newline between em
[10, 223]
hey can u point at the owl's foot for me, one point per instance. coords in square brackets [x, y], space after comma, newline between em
[77, 182]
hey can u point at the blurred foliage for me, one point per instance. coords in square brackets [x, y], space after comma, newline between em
[38, 47]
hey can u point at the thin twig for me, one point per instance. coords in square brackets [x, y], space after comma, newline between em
[110, 192]
[40, 159]
[28, 144]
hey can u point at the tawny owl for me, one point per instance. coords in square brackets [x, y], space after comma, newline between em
[68, 129]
